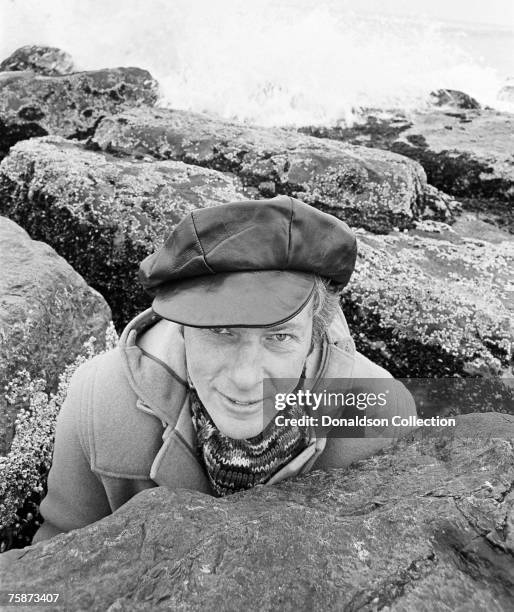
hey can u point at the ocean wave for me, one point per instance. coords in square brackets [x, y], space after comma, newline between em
[268, 63]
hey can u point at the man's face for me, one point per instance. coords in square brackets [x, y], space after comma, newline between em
[227, 367]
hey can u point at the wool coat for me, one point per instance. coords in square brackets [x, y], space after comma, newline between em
[125, 424]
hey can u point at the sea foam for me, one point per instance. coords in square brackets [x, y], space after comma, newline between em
[267, 62]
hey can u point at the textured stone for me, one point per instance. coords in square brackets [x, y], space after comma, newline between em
[434, 303]
[426, 525]
[372, 189]
[102, 214]
[70, 105]
[47, 312]
[49, 61]
[453, 98]
[465, 153]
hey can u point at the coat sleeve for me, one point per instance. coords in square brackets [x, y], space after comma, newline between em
[75, 496]
[341, 451]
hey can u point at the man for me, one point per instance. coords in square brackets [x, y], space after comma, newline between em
[243, 293]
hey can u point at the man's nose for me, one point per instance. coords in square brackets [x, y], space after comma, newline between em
[246, 368]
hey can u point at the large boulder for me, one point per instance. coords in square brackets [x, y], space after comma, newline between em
[372, 189]
[47, 312]
[427, 304]
[69, 105]
[49, 61]
[102, 214]
[466, 153]
[426, 525]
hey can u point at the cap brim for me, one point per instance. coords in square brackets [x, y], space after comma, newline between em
[237, 299]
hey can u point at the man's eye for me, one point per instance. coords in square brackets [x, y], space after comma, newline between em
[220, 331]
[281, 338]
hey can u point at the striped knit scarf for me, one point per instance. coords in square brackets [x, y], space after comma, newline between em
[234, 465]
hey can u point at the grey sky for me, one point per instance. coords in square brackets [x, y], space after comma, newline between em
[497, 12]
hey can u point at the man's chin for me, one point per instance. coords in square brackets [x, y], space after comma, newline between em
[241, 430]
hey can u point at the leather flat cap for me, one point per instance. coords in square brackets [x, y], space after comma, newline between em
[247, 264]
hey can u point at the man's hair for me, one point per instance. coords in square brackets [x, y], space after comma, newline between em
[324, 306]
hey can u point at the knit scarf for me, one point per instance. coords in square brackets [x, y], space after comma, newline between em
[234, 465]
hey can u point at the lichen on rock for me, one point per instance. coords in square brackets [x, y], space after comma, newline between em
[421, 294]
[466, 151]
[373, 189]
[47, 312]
[24, 467]
[67, 105]
[49, 61]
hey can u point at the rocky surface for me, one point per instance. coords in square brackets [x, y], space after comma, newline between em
[103, 214]
[465, 152]
[372, 189]
[70, 105]
[47, 312]
[49, 61]
[453, 98]
[435, 303]
[427, 525]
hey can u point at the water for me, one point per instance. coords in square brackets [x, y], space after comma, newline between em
[292, 62]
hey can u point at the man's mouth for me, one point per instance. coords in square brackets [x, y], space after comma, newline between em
[240, 402]
[249, 404]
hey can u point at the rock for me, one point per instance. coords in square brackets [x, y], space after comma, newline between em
[465, 153]
[70, 105]
[47, 312]
[372, 189]
[49, 61]
[425, 525]
[453, 98]
[439, 206]
[102, 214]
[441, 303]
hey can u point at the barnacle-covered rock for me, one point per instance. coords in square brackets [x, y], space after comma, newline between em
[70, 105]
[47, 312]
[102, 214]
[465, 152]
[24, 469]
[426, 525]
[429, 304]
[372, 189]
[49, 61]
